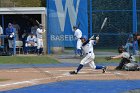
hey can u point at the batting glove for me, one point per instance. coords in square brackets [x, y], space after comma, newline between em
[97, 38]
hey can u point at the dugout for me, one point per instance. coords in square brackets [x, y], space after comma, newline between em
[24, 17]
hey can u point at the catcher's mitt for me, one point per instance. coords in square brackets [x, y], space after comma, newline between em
[108, 58]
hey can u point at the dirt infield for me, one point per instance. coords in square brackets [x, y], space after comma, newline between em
[33, 76]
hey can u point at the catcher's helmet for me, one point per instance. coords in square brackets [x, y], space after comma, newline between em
[121, 49]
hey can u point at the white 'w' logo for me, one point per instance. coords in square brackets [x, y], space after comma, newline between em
[61, 12]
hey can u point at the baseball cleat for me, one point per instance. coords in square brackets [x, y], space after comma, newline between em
[104, 69]
[73, 72]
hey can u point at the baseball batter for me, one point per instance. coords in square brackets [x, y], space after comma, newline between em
[39, 33]
[78, 35]
[87, 47]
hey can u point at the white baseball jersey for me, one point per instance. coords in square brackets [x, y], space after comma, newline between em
[39, 33]
[31, 39]
[90, 56]
[78, 35]
[89, 46]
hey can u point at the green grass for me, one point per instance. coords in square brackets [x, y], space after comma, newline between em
[4, 80]
[27, 60]
[102, 59]
[106, 50]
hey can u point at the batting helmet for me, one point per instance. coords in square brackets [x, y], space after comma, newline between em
[75, 27]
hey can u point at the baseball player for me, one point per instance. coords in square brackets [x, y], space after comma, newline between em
[78, 35]
[87, 47]
[39, 33]
[31, 43]
[125, 58]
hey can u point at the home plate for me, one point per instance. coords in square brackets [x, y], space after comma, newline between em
[117, 73]
[66, 74]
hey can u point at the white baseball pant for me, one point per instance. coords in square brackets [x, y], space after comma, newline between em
[89, 59]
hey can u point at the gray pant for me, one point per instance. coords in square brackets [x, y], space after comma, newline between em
[11, 43]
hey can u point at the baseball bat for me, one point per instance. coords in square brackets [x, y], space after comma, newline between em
[103, 24]
[37, 22]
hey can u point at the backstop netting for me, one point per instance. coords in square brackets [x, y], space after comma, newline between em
[122, 21]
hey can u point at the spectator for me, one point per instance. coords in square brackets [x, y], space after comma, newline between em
[34, 28]
[129, 43]
[17, 29]
[31, 43]
[136, 43]
[1, 32]
[24, 38]
[10, 33]
[28, 27]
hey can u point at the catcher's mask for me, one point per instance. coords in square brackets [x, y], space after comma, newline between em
[121, 49]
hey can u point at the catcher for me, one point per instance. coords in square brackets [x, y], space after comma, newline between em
[125, 58]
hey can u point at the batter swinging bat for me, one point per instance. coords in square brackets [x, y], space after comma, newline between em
[103, 24]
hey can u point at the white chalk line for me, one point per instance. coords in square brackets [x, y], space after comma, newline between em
[34, 81]
[17, 71]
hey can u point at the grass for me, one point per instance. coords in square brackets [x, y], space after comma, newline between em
[106, 50]
[4, 80]
[27, 60]
[102, 59]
